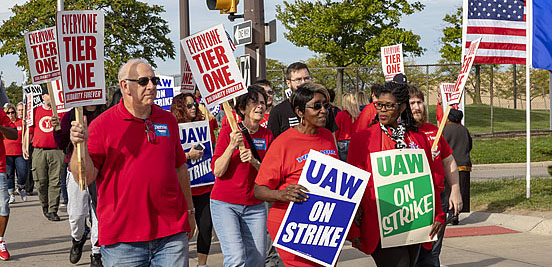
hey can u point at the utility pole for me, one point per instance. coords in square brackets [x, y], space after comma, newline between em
[254, 10]
[184, 7]
[515, 86]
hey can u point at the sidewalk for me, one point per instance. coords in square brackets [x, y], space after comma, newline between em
[485, 172]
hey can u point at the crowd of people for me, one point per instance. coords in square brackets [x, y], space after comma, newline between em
[133, 153]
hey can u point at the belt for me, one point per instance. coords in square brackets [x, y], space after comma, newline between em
[464, 168]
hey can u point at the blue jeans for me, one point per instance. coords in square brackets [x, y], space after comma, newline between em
[4, 196]
[16, 164]
[166, 251]
[241, 230]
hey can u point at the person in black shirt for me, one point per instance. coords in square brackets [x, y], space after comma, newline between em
[282, 116]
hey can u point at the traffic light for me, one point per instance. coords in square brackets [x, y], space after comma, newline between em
[225, 6]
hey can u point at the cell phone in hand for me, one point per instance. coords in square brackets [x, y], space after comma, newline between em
[199, 147]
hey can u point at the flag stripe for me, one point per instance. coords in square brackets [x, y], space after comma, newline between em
[499, 60]
[500, 53]
[499, 46]
[496, 30]
[493, 23]
[490, 38]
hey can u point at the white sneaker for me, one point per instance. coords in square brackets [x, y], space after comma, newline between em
[12, 199]
[23, 195]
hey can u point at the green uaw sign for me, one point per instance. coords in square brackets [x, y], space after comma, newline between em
[404, 196]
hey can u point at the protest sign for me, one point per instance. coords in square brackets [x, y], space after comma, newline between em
[392, 61]
[463, 76]
[192, 134]
[213, 65]
[81, 53]
[58, 96]
[404, 196]
[316, 229]
[42, 54]
[165, 92]
[36, 91]
[447, 90]
[187, 82]
[29, 109]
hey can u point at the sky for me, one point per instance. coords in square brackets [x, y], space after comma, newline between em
[428, 24]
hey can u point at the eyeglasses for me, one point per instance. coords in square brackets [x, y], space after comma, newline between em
[190, 105]
[150, 131]
[143, 81]
[388, 106]
[305, 79]
[10, 112]
[318, 106]
[270, 92]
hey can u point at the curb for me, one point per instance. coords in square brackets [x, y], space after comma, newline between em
[521, 223]
[478, 167]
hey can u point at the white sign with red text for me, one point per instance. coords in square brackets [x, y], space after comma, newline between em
[42, 54]
[29, 109]
[463, 76]
[81, 53]
[447, 90]
[187, 83]
[36, 91]
[392, 61]
[213, 65]
[58, 96]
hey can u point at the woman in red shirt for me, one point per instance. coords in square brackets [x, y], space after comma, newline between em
[185, 108]
[284, 161]
[238, 217]
[15, 163]
[393, 128]
[346, 121]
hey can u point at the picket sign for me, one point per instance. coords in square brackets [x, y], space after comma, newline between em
[42, 54]
[316, 229]
[165, 92]
[58, 96]
[392, 61]
[187, 82]
[404, 196]
[458, 92]
[29, 115]
[446, 90]
[191, 134]
[214, 69]
[36, 91]
[80, 35]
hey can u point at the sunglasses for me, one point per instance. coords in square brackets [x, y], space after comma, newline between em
[10, 112]
[143, 81]
[270, 92]
[318, 106]
[391, 106]
[190, 105]
[150, 131]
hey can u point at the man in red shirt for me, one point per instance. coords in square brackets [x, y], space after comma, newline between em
[134, 154]
[7, 130]
[47, 159]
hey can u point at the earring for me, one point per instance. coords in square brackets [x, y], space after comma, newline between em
[302, 121]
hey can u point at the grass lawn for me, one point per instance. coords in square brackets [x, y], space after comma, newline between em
[478, 118]
[506, 195]
[510, 150]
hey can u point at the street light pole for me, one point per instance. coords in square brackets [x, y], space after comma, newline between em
[184, 7]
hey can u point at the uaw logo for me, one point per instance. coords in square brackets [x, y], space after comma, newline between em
[45, 124]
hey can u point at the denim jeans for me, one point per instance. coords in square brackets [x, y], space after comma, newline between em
[4, 196]
[16, 164]
[241, 230]
[166, 251]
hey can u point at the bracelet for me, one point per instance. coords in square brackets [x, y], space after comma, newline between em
[192, 211]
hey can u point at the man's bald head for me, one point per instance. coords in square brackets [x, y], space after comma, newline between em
[129, 69]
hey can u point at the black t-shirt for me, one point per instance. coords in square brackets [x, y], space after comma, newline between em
[281, 118]
[459, 139]
[330, 121]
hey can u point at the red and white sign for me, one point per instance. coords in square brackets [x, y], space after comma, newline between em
[392, 61]
[81, 53]
[187, 83]
[58, 96]
[29, 110]
[42, 53]
[213, 65]
[463, 76]
[447, 91]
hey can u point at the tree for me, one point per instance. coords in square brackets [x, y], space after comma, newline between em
[133, 29]
[349, 31]
[451, 50]
[15, 93]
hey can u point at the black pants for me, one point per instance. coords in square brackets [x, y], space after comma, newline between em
[203, 221]
[465, 189]
[403, 256]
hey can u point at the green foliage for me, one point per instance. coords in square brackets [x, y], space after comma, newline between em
[508, 195]
[133, 29]
[275, 73]
[15, 93]
[452, 39]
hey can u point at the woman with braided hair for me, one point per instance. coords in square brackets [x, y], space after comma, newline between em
[394, 127]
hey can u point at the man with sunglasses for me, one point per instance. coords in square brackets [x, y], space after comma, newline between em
[282, 117]
[145, 209]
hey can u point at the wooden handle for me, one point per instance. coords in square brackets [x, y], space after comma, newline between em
[231, 120]
[53, 103]
[441, 127]
[80, 150]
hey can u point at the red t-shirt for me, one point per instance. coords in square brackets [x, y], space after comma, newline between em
[43, 135]
[13, 147]
[345, 125]
[225, 122]
[366, 117]
[430, 131]
[236, 185]
[440, 113]
[6, 122]
[139, 195]
[200, 190]
[263, 122]
[369, 232]
[282, 166]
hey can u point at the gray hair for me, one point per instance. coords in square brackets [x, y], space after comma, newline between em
[124, 70]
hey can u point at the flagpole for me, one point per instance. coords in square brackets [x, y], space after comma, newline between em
[528, 60]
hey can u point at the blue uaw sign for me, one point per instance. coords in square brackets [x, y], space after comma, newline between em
[165, 92]
[193, 134]
[316, 229]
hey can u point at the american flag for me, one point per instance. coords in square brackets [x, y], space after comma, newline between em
[502, 25]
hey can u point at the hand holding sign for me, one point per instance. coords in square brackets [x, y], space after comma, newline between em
[293, 193]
